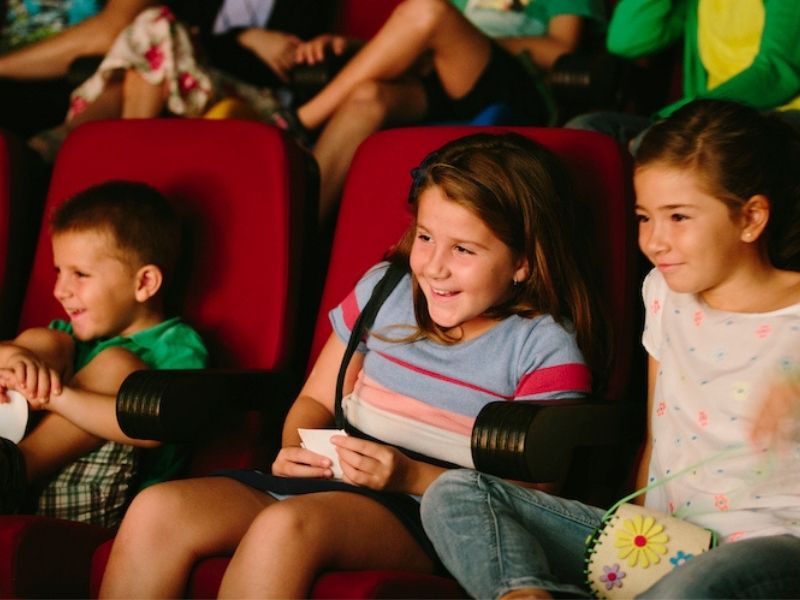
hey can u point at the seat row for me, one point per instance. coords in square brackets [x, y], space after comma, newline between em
[253, 285]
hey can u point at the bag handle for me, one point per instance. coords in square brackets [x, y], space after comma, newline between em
[380, 293]
[730, 451]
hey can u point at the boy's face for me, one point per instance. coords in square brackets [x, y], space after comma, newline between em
[94, 285]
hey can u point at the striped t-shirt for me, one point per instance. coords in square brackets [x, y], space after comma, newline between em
[424, 396]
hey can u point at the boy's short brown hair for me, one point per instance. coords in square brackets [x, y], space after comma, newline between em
[138, 217]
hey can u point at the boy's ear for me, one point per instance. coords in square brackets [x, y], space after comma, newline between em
[755, 216]
[148, 281]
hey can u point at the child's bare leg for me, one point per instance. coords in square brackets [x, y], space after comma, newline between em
[108, 105]
[290, 542]
[371, 106]
[54, 443]
[415, 28]
[141, 99]
[169, 526]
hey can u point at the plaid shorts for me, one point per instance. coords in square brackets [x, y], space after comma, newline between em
[95, 488]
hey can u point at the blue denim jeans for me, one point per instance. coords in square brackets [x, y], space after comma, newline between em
[496, 537]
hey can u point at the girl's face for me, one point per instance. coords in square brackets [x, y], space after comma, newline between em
[95, 287]
[461, 266]
[692, 237]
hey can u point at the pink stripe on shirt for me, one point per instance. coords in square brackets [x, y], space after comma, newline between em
[350, 310]
[567, 377]
[439, 376]
[371, 392]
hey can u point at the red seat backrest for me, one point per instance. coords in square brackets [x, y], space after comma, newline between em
[361, 19]
[374, 213]
[240, 189]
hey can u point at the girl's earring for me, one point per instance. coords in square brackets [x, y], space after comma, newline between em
[514, 283]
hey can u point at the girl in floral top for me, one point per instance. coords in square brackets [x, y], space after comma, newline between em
[717, 203]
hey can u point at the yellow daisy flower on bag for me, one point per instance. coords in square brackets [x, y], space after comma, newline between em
[641, 540]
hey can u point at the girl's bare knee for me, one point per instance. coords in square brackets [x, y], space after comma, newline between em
[157, 508]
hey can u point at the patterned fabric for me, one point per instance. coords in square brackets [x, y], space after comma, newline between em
[714, 367]
[96, 487]
[425, 396]
[159, 48]
[28, 21]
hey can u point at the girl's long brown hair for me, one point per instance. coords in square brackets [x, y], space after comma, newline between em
[520, 191]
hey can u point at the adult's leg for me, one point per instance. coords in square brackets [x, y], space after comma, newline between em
[291, 541]
[141, 99]
[372, 106]
[499, 539]
[169, 526]
[765, 567]
[416, 28]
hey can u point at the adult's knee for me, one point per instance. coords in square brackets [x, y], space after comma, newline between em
[422, 15]
[369, 100]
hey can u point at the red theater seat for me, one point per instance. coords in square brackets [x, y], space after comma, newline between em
[245, 195]
[372, 217]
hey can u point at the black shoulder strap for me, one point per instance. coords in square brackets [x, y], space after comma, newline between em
[380, 292]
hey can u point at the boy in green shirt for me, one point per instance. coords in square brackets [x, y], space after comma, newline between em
[114, 246]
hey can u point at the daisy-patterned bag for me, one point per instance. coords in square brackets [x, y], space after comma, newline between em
[636, 546]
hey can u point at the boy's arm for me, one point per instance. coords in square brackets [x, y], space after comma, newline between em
[563, 35]
[51, 57]
[89, 401]
[36, 362]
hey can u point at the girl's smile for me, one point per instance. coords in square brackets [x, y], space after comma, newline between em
[693, 238]
[461, 266]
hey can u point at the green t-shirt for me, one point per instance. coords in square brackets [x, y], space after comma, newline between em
[171, 344]
[519, 18]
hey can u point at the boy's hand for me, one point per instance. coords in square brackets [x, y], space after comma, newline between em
[32, 377]
[313, 51]
[294, 461]
[778, 418]
[373, 465]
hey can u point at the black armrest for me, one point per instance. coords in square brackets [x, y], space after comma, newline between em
[181, 405]
[535, 442]
[582, 81]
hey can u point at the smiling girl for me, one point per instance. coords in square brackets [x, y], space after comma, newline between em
[718, 204]
[480, 317]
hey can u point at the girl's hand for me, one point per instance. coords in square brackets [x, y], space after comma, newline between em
[294, 461]
[778, 418]
[373, 465]
[313, 51]
[275, 48]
